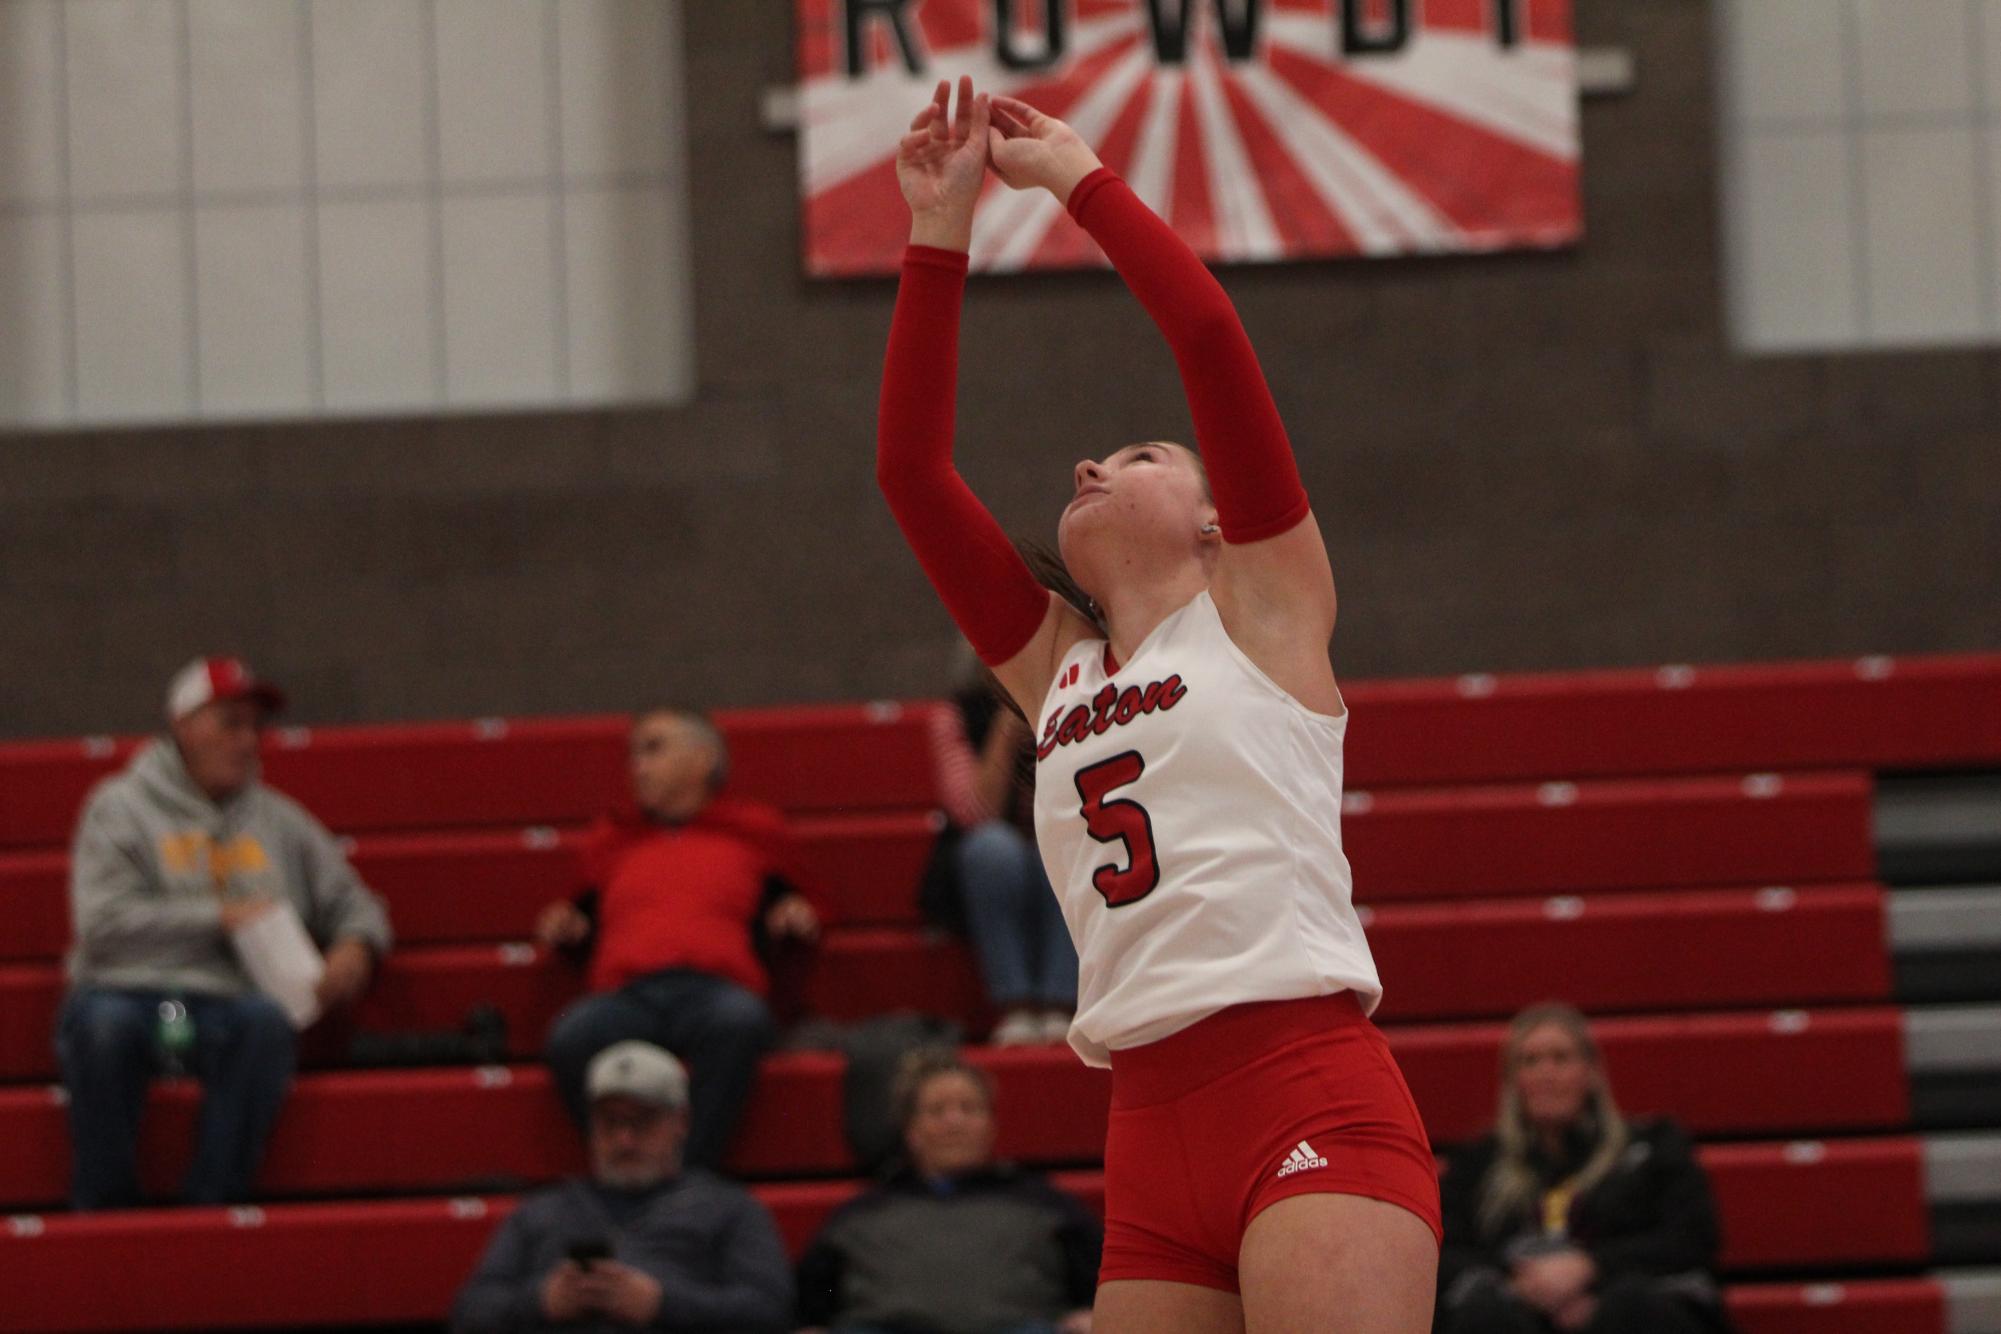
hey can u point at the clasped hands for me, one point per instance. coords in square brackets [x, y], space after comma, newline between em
[619, 1292]
[941, 164]
[1559, 1285]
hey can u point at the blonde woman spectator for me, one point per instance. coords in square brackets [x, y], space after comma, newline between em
[1569, 1216]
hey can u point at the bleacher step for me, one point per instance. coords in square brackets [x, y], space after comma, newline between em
[1963, 1186]
[1739, 1074]
[1972, 1300]
[403, 1261]
[1945, 943]
[1939, 828]
[1954, 1057]
[1702, 949]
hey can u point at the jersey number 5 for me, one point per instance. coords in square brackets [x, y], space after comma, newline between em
[1119, 821]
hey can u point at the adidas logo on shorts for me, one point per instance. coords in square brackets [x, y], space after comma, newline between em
[1302, 1159]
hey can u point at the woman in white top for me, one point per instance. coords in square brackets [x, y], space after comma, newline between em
[1265, 1167]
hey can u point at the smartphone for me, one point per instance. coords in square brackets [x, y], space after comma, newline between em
[590, 1250]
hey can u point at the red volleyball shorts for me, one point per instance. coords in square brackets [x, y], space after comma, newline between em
[1245, 1108]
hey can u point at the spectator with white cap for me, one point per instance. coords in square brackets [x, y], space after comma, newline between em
[643, 1242]
[174, 857]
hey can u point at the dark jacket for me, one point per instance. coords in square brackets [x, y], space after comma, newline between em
[994, 1249]
[1651, 1216]
[714, 1250]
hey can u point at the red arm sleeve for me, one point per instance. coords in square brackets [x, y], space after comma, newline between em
[1237, 427]
[983, 580]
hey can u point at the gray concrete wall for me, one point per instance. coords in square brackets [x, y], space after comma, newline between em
[1526, 461]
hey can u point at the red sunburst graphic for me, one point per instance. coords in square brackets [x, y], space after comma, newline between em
[1454, 140]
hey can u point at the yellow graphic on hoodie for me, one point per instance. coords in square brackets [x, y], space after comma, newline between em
[184, 854]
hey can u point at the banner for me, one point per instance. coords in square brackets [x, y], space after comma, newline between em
[1262, 129]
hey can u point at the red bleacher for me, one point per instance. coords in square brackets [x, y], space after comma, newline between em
[1720, 1074]
[1872, 1306]
[1778, 1196]
[1770, 945]
[1815, 1203]
[403, 1261]
[545, 771]
[1706, 948]
[1450, 843]
[1620, 838]
[489, 884]
[1874, 714]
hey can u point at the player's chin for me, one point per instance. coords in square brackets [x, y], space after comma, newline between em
[1089, 521]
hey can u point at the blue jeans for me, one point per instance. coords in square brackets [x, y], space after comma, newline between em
[717, 1027]
[1013, 919]
[244, 1053]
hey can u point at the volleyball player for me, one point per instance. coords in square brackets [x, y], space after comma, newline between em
[1265, 1166]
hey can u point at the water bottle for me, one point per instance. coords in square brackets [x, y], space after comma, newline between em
[176, 1036]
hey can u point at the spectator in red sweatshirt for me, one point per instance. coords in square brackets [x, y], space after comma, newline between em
[685, 889]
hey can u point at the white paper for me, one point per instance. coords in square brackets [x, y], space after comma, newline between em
[282, 962]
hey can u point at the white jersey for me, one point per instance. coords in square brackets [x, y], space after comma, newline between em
[1189, 812]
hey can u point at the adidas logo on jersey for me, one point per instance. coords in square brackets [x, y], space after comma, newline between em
[1302, 1159]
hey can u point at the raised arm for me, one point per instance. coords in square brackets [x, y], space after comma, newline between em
[1237, 427]
[1272, 582]
[1012, 622]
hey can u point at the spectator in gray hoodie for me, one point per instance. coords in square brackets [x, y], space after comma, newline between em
[171, 856]
[645, 1242]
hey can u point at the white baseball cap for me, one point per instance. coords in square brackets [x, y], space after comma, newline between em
[208, 679]
[637, 1070]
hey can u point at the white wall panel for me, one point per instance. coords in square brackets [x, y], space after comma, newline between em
[248, 109]
[273, 208]
[253, 318]
[1860, 198]
[134, 350]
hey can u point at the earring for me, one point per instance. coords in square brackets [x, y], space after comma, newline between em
[1210, 528]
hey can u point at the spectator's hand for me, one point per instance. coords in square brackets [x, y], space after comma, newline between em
[565, 1296]
[1579, 1312]
[1551, 1282]
[242, 912]
[349, 967]
[561, 923]
[793, 917]
[629, 1296]
[1077, 1322]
